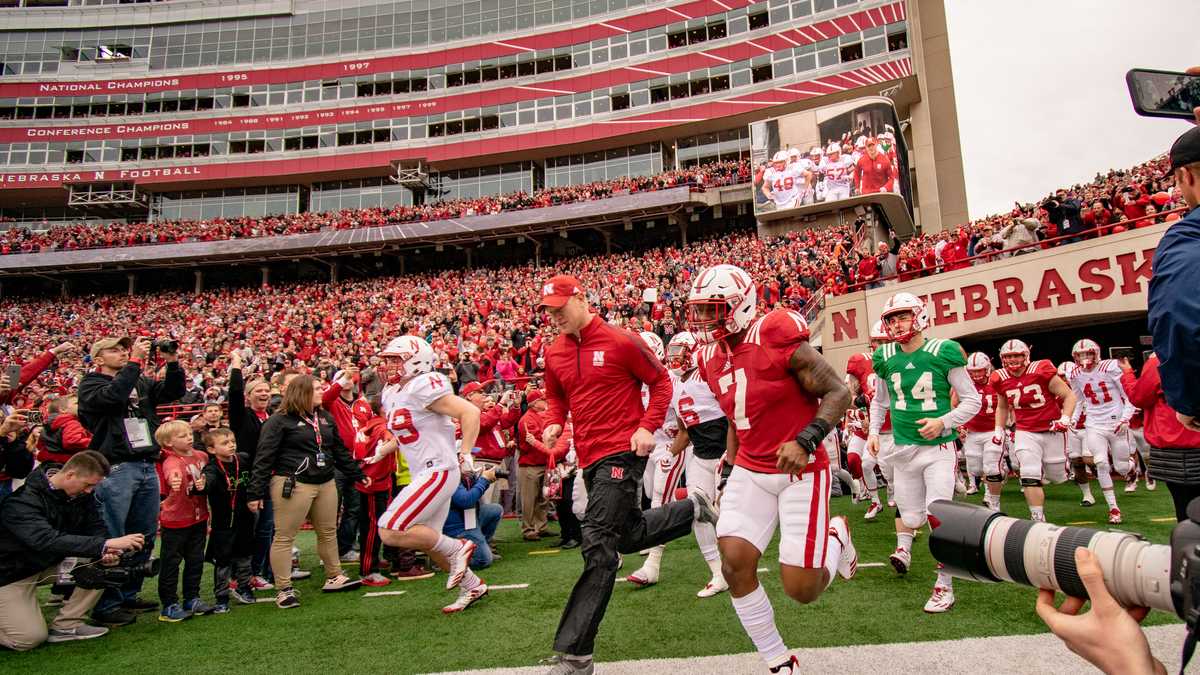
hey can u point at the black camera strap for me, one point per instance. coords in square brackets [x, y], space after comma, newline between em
[1193, 620]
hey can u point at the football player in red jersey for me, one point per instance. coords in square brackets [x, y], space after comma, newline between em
[782, 399]
[984, 459]
[861, 381]
[1041, 403]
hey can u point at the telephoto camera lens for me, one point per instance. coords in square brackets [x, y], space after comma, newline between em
[974, 542]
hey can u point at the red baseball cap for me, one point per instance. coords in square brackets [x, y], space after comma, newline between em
[558, 290]
[535, 395]
[470, 388]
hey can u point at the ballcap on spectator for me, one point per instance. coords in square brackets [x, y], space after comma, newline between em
[559, 289]
[1186, 149]
[470, 388]
[108, 343]
[534, 396]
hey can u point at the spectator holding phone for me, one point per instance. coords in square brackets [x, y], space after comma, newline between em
[117, 405]
[16, 378]
[249, 408]
[496, 419]
[297, 451]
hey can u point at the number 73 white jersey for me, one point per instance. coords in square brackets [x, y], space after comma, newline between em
[426, 438]
[1100, 396]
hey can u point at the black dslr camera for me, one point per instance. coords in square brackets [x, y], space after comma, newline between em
[93, 575]
[165, 346]
[984, 545]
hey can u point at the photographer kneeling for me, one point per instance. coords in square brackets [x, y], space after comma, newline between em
[52, 516]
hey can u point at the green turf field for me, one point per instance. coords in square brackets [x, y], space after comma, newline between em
[408, 633]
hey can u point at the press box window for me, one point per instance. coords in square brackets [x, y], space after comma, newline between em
[761, 73]
[759, 20]
[852, 52]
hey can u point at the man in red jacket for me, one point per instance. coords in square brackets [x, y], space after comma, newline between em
[496, 419]
[349, 410]
[595, 372]
[531, 467]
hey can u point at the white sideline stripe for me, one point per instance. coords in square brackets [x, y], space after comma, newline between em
[1006, 655]
[508, 587]
[872, 564]
[380, 594]
[257, 600]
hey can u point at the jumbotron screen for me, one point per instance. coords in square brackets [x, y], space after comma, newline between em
[827, 155]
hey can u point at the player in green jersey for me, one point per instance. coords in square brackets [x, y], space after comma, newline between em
[916, 375]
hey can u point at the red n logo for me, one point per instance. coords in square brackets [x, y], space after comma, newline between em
[845, 325]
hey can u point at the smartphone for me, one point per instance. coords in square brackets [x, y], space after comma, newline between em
[1146, 355]
[1118, 353]
[13, 375]
[34, 418]
[1162, 93]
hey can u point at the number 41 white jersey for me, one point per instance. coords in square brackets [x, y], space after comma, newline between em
[1100, 396]
[426, 438]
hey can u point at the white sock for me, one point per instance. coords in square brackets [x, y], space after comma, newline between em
[1085, 490]
[470, 580]
[833, 556]
[943, 578]
[1111, 498]
[714, 566]
[904, 540]
[654, 561]
[758, 620]
[1038, 512]
[446, 546]
[706, 540]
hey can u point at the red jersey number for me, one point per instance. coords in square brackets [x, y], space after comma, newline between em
[737, 380]
[401, 422]
[784, 184]
[689, 416]
[1091, 393]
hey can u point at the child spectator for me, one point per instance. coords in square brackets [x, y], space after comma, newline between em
[63, 435]
[371, 440]
[231, 540]
[184, 522]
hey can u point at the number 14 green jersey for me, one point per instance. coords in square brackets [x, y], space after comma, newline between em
[918, 385]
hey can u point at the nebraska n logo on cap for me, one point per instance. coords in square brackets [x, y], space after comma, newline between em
[548, 289]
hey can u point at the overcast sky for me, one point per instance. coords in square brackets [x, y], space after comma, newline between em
[1041, 89]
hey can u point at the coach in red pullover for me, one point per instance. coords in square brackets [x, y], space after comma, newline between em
[596, 371]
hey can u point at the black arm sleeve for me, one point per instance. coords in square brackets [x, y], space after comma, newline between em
[15, 459]
[264, 458]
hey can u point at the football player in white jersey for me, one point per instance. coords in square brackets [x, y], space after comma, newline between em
[700, 445]
[1097, 386]
[862, 385]
[662, 468]
[782, 182]
[420, 408]
[1079, 456]
[838, 171]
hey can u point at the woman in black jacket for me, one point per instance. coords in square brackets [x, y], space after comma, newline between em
[297, 452]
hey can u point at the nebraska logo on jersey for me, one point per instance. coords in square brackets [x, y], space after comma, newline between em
[598, 358]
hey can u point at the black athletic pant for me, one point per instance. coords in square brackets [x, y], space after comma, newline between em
[613, 523]
[186, 545]
[373, 505]
[348, 503]
[568, 524]
[234, 569]
[1182, 494]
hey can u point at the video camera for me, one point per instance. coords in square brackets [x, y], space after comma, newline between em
[93, 575]
[165, 346]
[974, 542]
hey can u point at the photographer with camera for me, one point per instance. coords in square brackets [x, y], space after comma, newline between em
[471, 518]
[117, 404]
[52, 516]
[497, 418]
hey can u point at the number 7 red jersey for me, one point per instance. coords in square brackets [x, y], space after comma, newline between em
[1028, 395]
[758, 393]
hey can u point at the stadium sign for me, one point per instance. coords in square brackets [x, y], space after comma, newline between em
[1105, 277]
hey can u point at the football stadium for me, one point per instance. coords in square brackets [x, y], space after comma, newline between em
[570, 336]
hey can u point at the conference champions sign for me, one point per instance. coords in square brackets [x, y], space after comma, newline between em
[1097, 280]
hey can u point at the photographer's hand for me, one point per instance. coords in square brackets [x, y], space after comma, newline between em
[139, 350]
[64, 348]
[129, 542]
[1107, 636]
[13, 423]
[490, 475]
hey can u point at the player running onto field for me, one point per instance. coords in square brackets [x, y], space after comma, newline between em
[985, 461]
[1097, 387]
[420, 409]
[782, 399]
[916, 378]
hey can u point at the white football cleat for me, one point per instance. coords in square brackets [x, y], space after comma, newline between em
[1114, 516]
[839, 528]
[459, 561]
[716, 586]
[960, 485]
[900, 560]
[466, 598]
[941, 600]
[1087, 500]
[1131, 485]
[1150, 484]
[642, 578]
[872, 511]
[791, 666]
[972, 489]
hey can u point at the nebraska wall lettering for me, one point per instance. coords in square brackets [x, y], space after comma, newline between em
[1099, 278]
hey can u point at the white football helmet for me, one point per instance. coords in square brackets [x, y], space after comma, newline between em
[1086, 354]
[979, 366]
[722, 302]
[406, 357]
[679, 351]
[905, 302]
[1066, 370]
[780, 159]
[1014, 354]
[879, 335]
[655, 344]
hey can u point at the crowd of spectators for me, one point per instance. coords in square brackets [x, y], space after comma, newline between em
[120, 234]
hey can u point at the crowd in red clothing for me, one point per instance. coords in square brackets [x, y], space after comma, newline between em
[119, 234]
